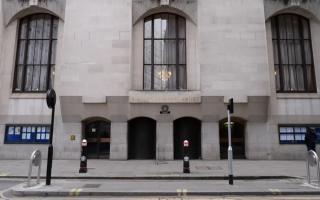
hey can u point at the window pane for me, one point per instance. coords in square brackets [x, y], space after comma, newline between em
[172, 26]
[23, 28]
[277, 77]
[43, 78]
[182, 77]
[32, 28]
[53, 51]
[164, 26]
[147, 28]
[147, 51]
[282, 27]
[298, 52]
[37, 52]
[293, 81]
[28, 81]
[169, 52]
[275, 52]
[290, 34]
[182, 52]
[157, 26]
[286, 78]
[170, 77]
[31, 47]
[291, 52]
[310, 79]
[305, 25]
[147, 77]
[182, 27]
[21, 50]
[55, 28]
[19, 77]
[295, 24]
[157, 77]
[36, 78]
[39, 27]
[45, 52]
[307, 49]
[158, 52]
[274, 28]
[284, 52]
[47, 27]
[300, 78]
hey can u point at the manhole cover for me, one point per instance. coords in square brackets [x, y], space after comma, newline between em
[91, 185]
[208, 167]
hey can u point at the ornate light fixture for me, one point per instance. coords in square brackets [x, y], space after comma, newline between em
[164, 75]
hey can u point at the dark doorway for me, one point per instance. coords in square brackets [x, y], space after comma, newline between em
[142, 138]
[187, 128]
[237, 138]
[97, 134]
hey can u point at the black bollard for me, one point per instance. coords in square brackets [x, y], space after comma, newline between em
[186, 164]
[83, 158]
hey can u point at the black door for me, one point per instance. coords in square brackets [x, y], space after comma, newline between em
[237, 138]
[97, 134]
[142, 138]
[187, 128]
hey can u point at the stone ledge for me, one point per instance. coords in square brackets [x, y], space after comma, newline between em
[164, 97]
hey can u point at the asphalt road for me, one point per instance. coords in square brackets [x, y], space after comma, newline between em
[184, 198]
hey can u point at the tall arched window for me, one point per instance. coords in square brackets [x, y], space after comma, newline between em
[293, 59]
[164, 52]
[37, 39]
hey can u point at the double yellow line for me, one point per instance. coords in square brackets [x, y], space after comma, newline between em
[75, 192]
[182, 192]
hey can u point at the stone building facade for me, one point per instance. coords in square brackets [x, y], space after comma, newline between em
[137, 77]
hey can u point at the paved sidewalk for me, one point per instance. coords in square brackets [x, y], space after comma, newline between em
[166, 188]
[164, 169]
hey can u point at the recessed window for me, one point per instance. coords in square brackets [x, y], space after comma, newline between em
[27, 134]
[164, 52]
[293, 58]
[295, 134]
[36, 52]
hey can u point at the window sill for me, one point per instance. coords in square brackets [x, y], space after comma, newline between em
[185, 96]
[28, 96]
[298, 96]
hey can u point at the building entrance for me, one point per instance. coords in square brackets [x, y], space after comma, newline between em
[97, 134]
[187, 128]
[142, 138]
[237, 138]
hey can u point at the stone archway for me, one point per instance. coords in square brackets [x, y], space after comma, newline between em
[237, 138]
[142, 138]
[187, 128]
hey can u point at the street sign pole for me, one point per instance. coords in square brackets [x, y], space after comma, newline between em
[230, 151]
[51, 102]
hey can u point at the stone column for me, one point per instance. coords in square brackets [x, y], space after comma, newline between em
[210, 146]
[119, 141]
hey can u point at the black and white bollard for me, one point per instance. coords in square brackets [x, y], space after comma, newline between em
[186, 164]
[83, 158]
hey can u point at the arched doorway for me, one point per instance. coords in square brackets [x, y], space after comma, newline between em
[187, 128]
[237, 138]
[97, 134]
[142, 138]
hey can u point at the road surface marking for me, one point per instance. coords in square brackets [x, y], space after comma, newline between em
[75, 192]
[275, 191]
[184, 192]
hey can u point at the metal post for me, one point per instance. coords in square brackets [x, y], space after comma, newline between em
[229, 151]
[186, 164]
[308, 169]
[50, 150]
